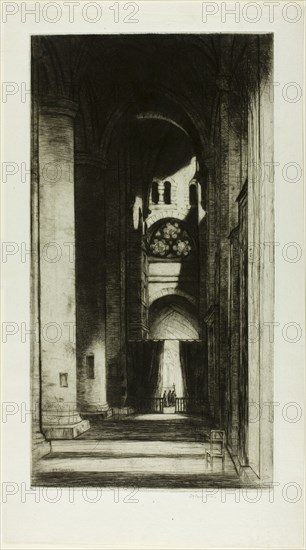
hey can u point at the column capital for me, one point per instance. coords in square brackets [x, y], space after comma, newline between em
[57, 106]
[88, 159]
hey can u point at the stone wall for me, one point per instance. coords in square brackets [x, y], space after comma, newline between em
[90, 285]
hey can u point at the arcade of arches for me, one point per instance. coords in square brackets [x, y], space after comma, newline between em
[146, 156]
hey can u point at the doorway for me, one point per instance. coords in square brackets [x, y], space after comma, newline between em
[172, 379]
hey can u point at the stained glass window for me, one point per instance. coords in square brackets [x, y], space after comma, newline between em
[170, 240]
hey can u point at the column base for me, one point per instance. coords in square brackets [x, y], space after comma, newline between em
[94, 409]
[246, 473]
[123, 411]
[68, 431]
[40, 447]
[98, 414]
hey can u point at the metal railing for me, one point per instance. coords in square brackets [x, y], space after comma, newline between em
[182, 405]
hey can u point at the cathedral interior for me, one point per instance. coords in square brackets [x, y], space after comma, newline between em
[147, 203]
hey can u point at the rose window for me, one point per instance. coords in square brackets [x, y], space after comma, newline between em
[170, 240]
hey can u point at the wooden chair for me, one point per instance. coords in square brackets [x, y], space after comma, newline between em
[216, 448]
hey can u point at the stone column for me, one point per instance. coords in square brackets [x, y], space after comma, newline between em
[60, 418]
[90, 284]
[267, 273]
[260, 266]
[208, 235]
[223, 83]
[234, 343]
[212, 375]
[161, 192]
[40, 446]
[243, 374]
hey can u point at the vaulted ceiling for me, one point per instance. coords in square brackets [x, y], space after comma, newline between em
[177, 76]
[159, 92]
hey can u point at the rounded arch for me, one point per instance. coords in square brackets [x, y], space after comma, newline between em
[159, 116]
[156, 216]
[187, 109]
[161, 293]
[173, 317]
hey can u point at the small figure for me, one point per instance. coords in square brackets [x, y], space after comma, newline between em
[174, 396]
[165, 399]
[169, 398]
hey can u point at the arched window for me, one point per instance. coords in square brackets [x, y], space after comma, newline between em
[167, 193]
[154, 193]
[193, 195]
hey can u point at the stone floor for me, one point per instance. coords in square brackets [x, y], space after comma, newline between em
[162, 451]
[148, 427]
